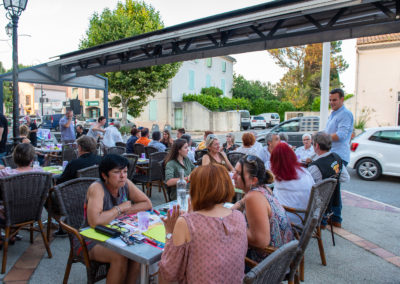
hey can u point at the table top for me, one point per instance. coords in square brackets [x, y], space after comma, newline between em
[141, 161]
[48, 150]
[55, 170]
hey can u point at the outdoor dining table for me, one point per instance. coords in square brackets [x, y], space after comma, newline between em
[48, 150]
[142, 162]
[143, 253]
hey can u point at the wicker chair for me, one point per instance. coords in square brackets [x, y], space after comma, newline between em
[71, 197]
[150, 150]
[24, 196]
[117, 150]
[9, 162]
[198, 155]
[322, 191]
[138, 149]
[103, 148]
[234, 157]
[92, 171]
[132, 164]
[154, 173]
[120, 144]
[69, 152]
[273, 269]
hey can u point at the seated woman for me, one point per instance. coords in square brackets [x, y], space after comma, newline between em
[166, 139]
[23, 157]
[214, 156]
[292, 182]
[267, 223]
[208, 244]
[230, 145]
[176, 160]
[247, 148]
[24, 133]
[135, 134]
[106, 200]
[202, 144]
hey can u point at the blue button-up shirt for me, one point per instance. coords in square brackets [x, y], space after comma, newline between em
[67, 133]
[341, 122]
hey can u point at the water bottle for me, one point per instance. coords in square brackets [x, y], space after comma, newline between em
[181, 192]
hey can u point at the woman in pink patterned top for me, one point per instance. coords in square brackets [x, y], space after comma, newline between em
[208, 244]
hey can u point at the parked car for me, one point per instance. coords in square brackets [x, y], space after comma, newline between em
[271, 118]
[52, 121]
[257, 121]
[294, 128]
[128, 122]
[375, 152]
[89, 122]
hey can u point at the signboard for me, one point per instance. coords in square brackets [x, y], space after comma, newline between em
[92, 103]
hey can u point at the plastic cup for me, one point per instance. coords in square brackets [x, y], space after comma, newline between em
[143, 156]
[143, 220]
[64, 164]
[36, 165]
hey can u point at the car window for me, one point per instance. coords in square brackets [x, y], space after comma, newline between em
[258, 118]
[290, 126]
[387, 136]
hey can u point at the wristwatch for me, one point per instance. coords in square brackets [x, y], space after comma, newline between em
[168, 236]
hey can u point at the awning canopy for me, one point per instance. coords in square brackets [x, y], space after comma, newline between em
[271, 25]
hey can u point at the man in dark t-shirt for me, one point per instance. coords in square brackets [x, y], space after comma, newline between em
[33, 129]
[3, 136]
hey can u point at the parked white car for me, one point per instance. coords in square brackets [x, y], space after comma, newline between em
[272, 118]
[257, 121]
[375, 152]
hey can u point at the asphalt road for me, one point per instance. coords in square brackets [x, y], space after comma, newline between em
[386, 189]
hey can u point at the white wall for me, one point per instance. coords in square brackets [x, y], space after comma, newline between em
[180, 83]
[378, 85]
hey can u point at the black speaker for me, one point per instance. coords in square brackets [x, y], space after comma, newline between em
[75, 106]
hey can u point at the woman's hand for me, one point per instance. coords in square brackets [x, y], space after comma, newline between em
[125, 206]
[170, 220]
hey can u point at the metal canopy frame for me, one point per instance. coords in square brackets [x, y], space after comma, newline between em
[50, 75]
[267, 26]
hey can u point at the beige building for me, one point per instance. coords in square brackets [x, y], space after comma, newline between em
[377, 94]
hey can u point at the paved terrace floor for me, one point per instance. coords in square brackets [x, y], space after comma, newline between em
[367, 250]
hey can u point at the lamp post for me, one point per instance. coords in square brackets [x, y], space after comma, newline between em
[14, 9]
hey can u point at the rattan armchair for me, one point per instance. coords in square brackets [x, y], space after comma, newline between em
[117, 150]
[69, 152]
[148, 150]
[234, 157]
[9, 162]
[24, 196]
[92, 171]
[132, 164]
[154, 174]
[71, 198]
[273, 269]
[138, 149]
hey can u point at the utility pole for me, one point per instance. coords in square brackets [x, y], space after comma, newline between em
[42, 94]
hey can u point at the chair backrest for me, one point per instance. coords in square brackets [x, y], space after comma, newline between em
[24, 196]
[323, 191]
[138, 149]
[308, 230]
[155, 167]
[120, 144]
[150, 150]
[198, 154]
[234, 157]
[9, 162]
[118, 150]
[68, 152]
[92, 171]
[132, 164]
[273, 269]
[71, 196]
[103, 148]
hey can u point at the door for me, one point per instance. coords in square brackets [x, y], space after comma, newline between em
[178, 118]
[398, 114]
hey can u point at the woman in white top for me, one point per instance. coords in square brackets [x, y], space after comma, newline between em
[292, 182]
[247, 148]
[97, 130]
[305, 153]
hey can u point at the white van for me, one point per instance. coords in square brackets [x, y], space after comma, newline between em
[271, 118]
[244, 118]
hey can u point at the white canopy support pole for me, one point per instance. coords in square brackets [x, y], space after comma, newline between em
[324, 107]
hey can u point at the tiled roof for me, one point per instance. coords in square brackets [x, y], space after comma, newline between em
[379, 39]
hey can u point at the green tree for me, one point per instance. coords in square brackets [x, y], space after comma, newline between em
[212, 91]
[301, 83]
[251, 90]
[133, 88]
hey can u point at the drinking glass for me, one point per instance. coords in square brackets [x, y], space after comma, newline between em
[143, 220]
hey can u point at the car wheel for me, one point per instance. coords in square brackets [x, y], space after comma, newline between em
[368, 169]
[245, 127]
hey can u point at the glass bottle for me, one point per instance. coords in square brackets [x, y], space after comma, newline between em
[181, 191]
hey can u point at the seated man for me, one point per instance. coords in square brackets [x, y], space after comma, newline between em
[326, 165]
[156, 136]
[86, 157]
[144, 139]
[305, 153]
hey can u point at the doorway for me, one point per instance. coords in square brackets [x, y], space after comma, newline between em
[178, 118]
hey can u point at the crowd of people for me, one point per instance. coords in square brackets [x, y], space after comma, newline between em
[209, 241]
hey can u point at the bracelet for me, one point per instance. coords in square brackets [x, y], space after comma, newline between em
[118, 209]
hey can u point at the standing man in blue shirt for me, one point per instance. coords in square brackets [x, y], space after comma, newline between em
[340, 127]
[67, 127]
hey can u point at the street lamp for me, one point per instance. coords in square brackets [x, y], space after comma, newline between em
[14, 9]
